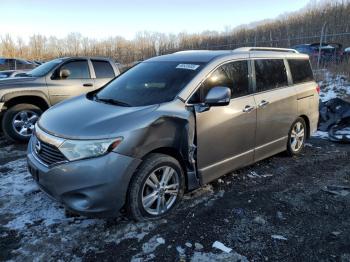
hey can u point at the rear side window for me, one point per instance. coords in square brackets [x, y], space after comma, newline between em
[270, 74]
[232, 75]
[103, 69]
[301, 70]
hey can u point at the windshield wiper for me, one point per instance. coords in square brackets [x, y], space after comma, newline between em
[112, 101]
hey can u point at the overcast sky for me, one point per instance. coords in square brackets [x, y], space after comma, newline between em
[104, 18]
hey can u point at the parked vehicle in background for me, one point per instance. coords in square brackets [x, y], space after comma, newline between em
[12, 73]
[15, 64]
[347, 53]
[37, 62]
[308, 49]
[329, 51]
[170, 124]
[22, 100]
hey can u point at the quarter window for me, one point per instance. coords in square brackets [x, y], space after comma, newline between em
[301, 70]
[103, 69]
[270, 74]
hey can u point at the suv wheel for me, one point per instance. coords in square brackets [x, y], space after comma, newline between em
[19, 121]
[156, 188]
[296, 137]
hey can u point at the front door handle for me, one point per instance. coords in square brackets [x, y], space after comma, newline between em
[248, 109]
[88, 84]
[263, 103]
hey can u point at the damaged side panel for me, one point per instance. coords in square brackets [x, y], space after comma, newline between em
[170, 129]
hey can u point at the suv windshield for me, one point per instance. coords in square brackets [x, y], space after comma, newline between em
[149, 83]
[44, 68]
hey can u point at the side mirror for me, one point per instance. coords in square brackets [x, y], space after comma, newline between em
[218, 96]
[64, 73]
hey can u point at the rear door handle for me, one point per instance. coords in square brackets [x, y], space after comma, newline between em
[88, 84]
[248, 109]
[263, 103]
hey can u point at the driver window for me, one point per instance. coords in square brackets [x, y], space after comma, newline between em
[233, 75]
[77, 70]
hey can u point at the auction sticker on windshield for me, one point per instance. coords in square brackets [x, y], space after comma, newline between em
[187, 66]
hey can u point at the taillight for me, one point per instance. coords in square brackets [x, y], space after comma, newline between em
[318, 89]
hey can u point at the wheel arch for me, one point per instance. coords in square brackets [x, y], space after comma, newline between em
[175, 153]
[307, 122]
[36, 99]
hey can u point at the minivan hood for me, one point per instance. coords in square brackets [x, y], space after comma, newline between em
[82, 118]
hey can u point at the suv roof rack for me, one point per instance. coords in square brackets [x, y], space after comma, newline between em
[271, 49]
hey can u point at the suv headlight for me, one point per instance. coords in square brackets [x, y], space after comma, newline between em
[79, 149]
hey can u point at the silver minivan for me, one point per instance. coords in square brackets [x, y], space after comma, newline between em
[172, 124]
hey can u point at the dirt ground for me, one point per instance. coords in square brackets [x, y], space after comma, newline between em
[279, 209]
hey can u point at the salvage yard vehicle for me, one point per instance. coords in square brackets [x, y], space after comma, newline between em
[329, 51]
[172, 124]
[15, 64]
[22, 100]
[12, 73]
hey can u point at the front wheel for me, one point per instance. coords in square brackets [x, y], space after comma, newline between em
[156, 188]
[19, 120]
[296, 137]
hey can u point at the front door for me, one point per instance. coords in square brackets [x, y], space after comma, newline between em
[78, 82]
[226, 134]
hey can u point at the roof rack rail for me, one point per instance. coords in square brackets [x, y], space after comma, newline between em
[272, 49]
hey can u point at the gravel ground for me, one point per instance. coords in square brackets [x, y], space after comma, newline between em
[280, 209]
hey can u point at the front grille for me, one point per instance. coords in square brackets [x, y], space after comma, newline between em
[47, 153]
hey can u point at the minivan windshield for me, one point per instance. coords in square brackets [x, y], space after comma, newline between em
[44, 68]
[149, 83]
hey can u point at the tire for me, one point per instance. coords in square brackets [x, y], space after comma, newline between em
[296, 137]
[140, 189]
[18, 113]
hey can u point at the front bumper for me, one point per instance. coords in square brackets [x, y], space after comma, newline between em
[91, 187]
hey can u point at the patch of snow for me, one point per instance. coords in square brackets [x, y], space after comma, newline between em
[279, 237]
[333, 86]
[188, 244]
[161, 240]
[320, 134]
[180, 250]
[24, 201]
[222, 247]
[45, 232]
[148, 248]
[198, 246]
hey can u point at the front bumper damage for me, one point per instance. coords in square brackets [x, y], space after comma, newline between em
[95, 187]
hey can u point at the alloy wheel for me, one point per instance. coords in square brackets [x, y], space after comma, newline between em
[160, 190]
[297, 136]
[24, 121]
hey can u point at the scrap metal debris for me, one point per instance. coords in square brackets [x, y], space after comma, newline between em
[337, 190]
[335, 119]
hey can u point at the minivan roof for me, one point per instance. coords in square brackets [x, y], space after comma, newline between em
[205, 56]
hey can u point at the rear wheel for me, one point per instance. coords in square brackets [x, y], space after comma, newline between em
[19, 121]
[156, 188]
[296, 137]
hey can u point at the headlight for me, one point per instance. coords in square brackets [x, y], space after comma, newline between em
[79, 149]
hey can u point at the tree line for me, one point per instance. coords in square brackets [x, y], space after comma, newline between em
[287, 30]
